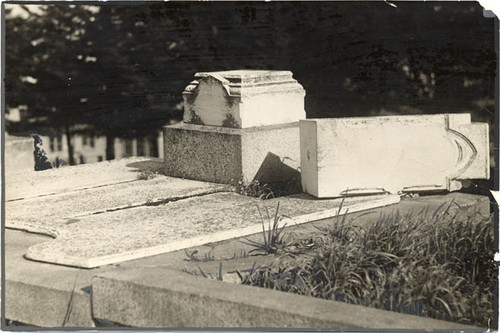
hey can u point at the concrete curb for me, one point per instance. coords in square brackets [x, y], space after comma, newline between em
[166, 298]
[57, 305]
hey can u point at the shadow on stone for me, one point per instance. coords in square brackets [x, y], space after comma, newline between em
[154, 165]
[281, 174]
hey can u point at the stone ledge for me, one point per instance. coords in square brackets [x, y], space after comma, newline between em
[165, 298]
[54, 303]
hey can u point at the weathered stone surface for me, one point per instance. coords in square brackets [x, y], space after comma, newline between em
[396, 153]
[127, 234]
[38, 293]
[31, 285]
[243, 98]
[38, 183]
[18, 154]
[163, 298]
[227, 155]
[46, 214]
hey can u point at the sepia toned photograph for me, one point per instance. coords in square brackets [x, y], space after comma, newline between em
[245, 165]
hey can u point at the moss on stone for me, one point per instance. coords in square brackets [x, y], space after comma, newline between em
[230, 121]
[195, 119]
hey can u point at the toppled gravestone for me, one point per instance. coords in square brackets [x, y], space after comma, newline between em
[239, 125]
[392, 154]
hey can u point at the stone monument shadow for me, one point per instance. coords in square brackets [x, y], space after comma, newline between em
[281, 174]
[154, 165]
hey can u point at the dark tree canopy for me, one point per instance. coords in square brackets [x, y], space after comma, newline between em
[119, 70]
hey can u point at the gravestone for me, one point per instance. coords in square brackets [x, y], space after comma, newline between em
[392, 154]
[237, 124]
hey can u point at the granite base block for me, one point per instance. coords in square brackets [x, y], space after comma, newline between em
[228, 155]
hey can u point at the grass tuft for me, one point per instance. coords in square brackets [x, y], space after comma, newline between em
[255, 189]
[193, 256]
[272, 238]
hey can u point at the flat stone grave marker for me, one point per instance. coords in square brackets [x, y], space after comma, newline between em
[47, 214]
[73, 178]
[126, 234]
[392, 154]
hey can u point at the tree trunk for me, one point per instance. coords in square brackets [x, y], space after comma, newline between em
[71, 160]
[110, 147]
[154, 146]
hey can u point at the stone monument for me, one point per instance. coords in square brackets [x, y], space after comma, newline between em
[396, 154]
[238, 125]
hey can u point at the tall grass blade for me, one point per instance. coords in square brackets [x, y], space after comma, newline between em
[69, 307]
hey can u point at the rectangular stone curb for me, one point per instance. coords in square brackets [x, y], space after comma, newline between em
[23, 303]
[160, 297]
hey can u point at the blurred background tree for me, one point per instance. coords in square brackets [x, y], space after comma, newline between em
[119, 70]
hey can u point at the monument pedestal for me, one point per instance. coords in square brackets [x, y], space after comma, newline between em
[227, 155]
[239, 125]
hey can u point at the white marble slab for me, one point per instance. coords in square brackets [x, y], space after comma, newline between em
[393, 154]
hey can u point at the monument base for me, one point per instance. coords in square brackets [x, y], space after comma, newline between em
[227, 155]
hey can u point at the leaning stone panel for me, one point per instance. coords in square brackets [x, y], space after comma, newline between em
[392, 154]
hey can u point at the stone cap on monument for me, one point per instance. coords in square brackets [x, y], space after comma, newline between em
[243, 98]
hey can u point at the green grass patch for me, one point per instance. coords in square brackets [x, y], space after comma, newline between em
[437, 264]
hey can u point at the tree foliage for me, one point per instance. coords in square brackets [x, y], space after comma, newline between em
[119, 70]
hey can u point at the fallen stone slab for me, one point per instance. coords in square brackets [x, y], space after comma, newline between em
[395, 154]
[243, 98]
[164, 298]
[25, 184]
[111, 237]
[46, 214]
